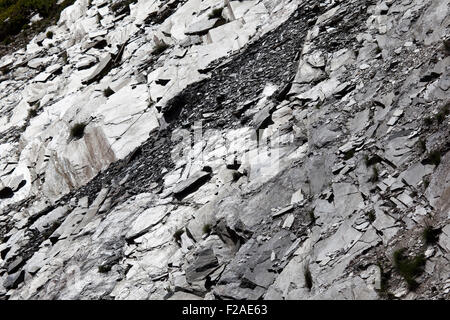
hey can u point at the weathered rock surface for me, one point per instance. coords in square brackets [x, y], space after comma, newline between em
[279, 150]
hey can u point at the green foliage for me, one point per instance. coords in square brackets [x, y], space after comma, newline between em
[216, 13]
[16, 14]
[349, 154]
[440, 116]
[160, 48]
[371, 160]
[104, 268]
[409, 268]
[7, 40]
[32, 113]
[371, 216]
[4, 4]
[120, 7]
[308, 277]
[366, 160]
[236, 175]
[422, 145]
[430, 235]
[49, 34]
[312, 217]
[65, 57]
[434, 157]
[428, 121]
[319, 104]
[207, 229]
[177, 235]
[77, 130]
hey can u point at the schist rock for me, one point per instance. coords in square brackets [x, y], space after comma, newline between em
[166, 194]
[191, 184]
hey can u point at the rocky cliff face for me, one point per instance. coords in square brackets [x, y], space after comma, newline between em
[216, 149]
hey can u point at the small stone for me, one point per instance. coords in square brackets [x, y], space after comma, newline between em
[429, 252]
[364, 66]
[289, 221]
[406, 199]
